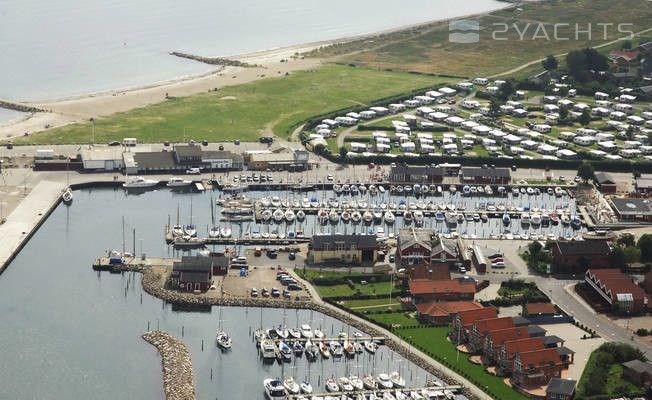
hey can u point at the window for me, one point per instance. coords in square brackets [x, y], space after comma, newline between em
[443, 256]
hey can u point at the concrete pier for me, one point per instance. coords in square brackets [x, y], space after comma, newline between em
[25, 219]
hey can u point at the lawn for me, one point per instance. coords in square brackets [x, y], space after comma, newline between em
[344, 290]
[373, 303]
[394, 318]
[244, 112]
[428, 49]
[615, 385]
[433, 341]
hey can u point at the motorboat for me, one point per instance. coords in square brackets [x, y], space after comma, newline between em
[356, 216]
[400, 395]
[345, 384]
[278, 215]
[282, 333]
[425, 190]
[451, 218]
[336, 348]
[354, 189]
[466, 190]
[274, 389]
[285, 349]
[223, 340]
[515, 191]
[367, 217]
[439, 217]
[333, 216]
[407, 188]
[175, 182]
[260, 333]
[67, 196]
[389, 217]
[373, 189]
[295, 333]
[525, 218]
[297, 347]
[535, 219]
[311, 349]
[331, 385]
[369, 382]
[337, 188]
[381, 188]
[407, 215]
[565, 220]
[346, 216]
[356, 382]
[378, 215]
[225, 232]
[449, 394]
[418, 217]
[452, 189]
[384, 382]
[416, 188]
[314, 203]
[362, 189]
[276, 201]
[529, 191]
[324, 350]
[305, 387]
[484, 217]
[306, 331]
[266, 215]
[370, 346]
[301, 215]
[291, 386]
[576, 222]
[136, 182]
[318, 334]
[346, 188]
[289, 215]
[267, 349]
[397, 379]
[480, 190]
[523, 190]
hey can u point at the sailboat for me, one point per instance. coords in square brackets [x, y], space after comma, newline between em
[177, 230]
[214, 231]
[223, 339]
[67, 196]
[190, 229]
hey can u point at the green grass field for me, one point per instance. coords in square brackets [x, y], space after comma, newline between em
[615, 385]
[427, 48]
[372, 303]
[433, 340]
[244, 112]
[345, 291]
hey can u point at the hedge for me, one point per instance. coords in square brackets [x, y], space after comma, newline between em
[412, 128]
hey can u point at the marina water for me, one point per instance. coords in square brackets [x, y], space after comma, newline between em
[69, 332]
[57, 49]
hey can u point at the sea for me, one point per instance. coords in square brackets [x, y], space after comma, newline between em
[69, 332]
[61, 49]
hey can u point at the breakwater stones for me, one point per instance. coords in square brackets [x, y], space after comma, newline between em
[19, 107]
[178, 379]
[211, 60]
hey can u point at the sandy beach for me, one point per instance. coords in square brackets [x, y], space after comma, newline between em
[269, 63]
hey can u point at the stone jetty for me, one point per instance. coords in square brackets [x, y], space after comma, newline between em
[178, 378]
[10, 105]
[211, 60]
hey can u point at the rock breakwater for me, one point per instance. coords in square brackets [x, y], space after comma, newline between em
[211, 60]
[178, 379]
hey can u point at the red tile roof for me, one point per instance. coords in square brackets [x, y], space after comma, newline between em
[539, 357]
[615, 282]
[627, 55]
[499, 336]
[523, 345]
[440, 286]
[445, 308]
[469, 317]
[540, 308]
[491, 324]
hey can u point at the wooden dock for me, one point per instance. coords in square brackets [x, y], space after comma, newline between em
[368, 392]
[379, 339]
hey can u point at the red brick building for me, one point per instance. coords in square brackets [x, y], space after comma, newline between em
[536, 368]
[416, 174]
[421, 247]
[426, 291]
[617, 290]
[582, 254]
[192, 273]
[509, 349]
[494, 340]
[443, 312]
[538, 309]
[427, 271]
[480, 328]
[606, 183]
[463, 321]
[647, 283]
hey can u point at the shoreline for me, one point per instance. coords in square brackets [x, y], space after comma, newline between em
[79, 108]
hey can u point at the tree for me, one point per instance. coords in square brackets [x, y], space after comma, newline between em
[636, 173]
[563, 112]
[506, 90]
[645, 245]
[630, 132]
[585, 118]
[534, 248]
[576, 62]
[343, 152]
[550, 63]
[626, 240]
[494, 107]
[586, 171]
[627, 45]
[632, 254]
[618, 257]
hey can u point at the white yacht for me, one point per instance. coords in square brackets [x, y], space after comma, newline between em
[289, 215]
[384, 381]
[306, 331]
[223, 340]
[291, 386]
[333, 216]
[136, 182]
[278, 215]
[178, 182]
[225, 232]
[397, 380]
[267, 349]
[301, 215]
[389, 217]
[367, 216]
[274, 389]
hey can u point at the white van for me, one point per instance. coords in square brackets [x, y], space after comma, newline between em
[193, 171]
[129, 141]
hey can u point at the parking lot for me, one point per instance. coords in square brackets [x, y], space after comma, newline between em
[259, 278]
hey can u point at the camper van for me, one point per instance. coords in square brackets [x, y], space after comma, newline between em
[129, 141]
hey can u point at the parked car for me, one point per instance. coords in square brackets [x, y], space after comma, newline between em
[236, 142]
[495, 255]
[114, 143]
[292, 256]
[392, 258]
[498, 265]
[254, 292]
[294, 286]
[204, 142]
[330, 178]
[193, 171]
[265, 292]
[275, 292]
[166, 143]
[497, 260]
[221, 148]
[286, 293]
[562, 178]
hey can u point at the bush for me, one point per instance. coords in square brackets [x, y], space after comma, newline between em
[642, 332]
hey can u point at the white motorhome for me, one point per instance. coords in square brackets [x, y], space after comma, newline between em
[448, 92]
[470, 104]
[629, 153]
[358, 147]
[635, 120]
[584, 140]
[626, 108]
[465, 86]
[481, 81]
[566, 135]
[492, 90]
[601, 96]
[542, 128]
[396, 108]
[617, 115]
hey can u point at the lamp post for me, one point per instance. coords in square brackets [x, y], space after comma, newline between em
[93, 130]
